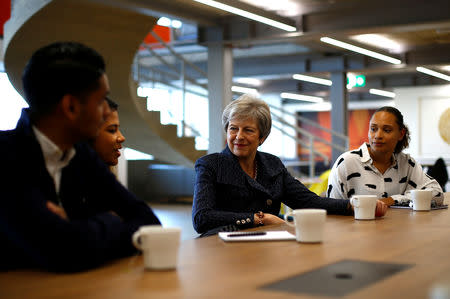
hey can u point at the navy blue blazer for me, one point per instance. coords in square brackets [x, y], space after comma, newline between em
[225, 195]
[32, 236]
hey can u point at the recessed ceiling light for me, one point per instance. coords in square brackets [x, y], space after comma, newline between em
[163, 21]
[433, 73]
[300, 97]
[248, 15]
[383, 93]
[166, 22]
[312, 79]
[176, 24]
[360, 50]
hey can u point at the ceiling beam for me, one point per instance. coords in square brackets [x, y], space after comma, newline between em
[290, 64]
[393, 15]
[189, 10]
[438, 54]
[258, 11]
[185, 11]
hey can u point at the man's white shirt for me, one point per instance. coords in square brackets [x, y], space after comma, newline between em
[55, 158]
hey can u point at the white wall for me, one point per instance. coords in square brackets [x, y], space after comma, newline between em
[422, 108]
[11, 104]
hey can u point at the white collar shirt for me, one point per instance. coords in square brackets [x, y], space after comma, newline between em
[55, 158]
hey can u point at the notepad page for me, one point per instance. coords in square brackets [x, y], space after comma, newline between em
[269, 236]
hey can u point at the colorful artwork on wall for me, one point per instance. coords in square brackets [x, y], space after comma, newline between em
[444, 125]
[358, 127]
[434, 127]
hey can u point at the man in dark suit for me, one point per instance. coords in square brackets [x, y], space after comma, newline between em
[61, 208]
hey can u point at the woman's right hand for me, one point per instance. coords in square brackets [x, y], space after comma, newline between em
[272, 219]
[380, 209]
[389, 201]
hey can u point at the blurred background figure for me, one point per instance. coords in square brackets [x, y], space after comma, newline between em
[439, 172]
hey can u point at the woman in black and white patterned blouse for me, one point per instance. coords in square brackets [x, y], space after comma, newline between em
[379, 167]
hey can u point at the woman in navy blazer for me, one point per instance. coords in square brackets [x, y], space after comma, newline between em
[242, 187]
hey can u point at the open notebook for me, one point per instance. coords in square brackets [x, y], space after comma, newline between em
[256, 236]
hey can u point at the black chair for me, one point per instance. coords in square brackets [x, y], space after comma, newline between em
[439, 172]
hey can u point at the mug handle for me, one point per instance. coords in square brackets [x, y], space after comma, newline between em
[136, 240]
[286, 218]
[354, 202]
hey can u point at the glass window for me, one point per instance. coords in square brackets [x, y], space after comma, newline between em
[170, 103]
[11, 104]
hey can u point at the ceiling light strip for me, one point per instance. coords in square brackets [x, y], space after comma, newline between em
[241, 89]
[300, 97]
[433, 73]
[249, 81]
[248, 15]
[312, 79]
[383, 93]
[360, 50]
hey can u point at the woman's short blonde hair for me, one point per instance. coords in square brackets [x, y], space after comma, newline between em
[248, 106]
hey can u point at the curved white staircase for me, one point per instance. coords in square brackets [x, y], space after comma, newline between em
[116, 32]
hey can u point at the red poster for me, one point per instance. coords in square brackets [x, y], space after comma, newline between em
[5, 13]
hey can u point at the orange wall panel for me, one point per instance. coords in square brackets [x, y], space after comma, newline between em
[164, 34]
[358, 127]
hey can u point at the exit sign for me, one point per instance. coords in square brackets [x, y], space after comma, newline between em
[355, 81]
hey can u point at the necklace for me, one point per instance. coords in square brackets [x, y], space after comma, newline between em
[256, 170]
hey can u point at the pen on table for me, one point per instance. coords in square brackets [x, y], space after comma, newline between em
[249, 234]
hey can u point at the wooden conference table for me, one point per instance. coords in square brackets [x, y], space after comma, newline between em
[211, 268]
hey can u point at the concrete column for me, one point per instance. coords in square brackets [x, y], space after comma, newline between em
[339, 110]
[220, 75]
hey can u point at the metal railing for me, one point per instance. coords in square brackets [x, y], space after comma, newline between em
[311, 137]
[314, 124]
[178, 73]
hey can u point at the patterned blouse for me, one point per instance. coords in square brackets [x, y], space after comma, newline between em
[354, 173]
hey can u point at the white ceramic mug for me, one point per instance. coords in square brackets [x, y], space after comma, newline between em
[159, 246]
[364, 206]
[309, 224]
[421, 199]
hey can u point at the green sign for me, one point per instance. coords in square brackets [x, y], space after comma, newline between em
[356, 81]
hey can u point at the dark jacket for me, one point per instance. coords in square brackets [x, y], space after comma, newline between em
[225, 195]
[32, 236]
